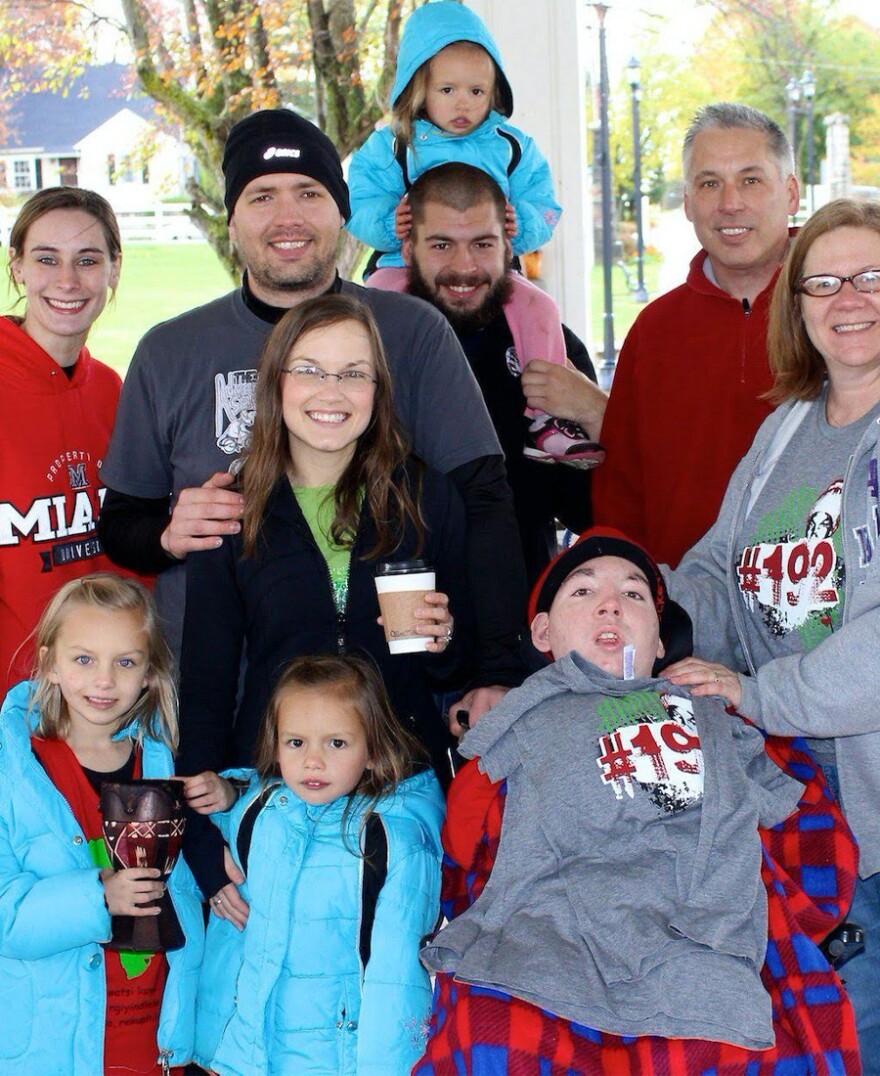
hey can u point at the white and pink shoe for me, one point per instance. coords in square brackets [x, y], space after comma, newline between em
[558, 441]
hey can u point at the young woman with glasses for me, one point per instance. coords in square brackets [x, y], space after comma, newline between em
[330, 491]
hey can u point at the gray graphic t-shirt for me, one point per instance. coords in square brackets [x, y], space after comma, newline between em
[626, 892]
[789, 563]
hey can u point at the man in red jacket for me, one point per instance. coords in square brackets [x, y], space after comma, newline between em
[687, 394]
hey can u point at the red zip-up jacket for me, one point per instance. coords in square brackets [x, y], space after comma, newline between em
[684, 407]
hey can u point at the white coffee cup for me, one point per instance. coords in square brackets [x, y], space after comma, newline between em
[402, 587]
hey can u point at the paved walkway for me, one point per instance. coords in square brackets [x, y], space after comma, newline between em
[673, 236]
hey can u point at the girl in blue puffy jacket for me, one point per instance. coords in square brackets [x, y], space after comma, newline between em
[102, 707]
[450, 102]
[339, 840]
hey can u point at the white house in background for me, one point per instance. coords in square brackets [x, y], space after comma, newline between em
[98, 135]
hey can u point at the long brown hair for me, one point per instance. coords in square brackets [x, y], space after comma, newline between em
[798, 367]
[155, 711]
[375, 472]
[393, 751]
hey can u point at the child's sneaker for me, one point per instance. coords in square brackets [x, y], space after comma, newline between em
[558, 441]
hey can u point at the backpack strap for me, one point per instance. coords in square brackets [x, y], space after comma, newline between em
[375, 869]
[400, 157]
[515, 149]
[248, 821]
[375, 872]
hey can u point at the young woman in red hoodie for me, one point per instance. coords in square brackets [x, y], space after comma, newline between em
[59, 405]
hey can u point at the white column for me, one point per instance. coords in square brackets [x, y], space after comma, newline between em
[837, 153]
[542, 43]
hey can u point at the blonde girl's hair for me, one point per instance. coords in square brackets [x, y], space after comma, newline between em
[374, 474]
[356, 680]
[154, 713]
[410, 105]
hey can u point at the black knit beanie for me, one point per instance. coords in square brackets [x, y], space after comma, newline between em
[278, 140]
[676, 631]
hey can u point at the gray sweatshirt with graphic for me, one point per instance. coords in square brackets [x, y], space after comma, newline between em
[626, 894]
[834, 689]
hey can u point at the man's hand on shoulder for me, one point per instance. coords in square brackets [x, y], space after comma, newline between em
[566, 393]
[202, 516]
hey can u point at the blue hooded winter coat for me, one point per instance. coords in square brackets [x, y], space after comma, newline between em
[376, 182]
[291, 994]
[53, 918]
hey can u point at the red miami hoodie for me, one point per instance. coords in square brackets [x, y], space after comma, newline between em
[53, 437]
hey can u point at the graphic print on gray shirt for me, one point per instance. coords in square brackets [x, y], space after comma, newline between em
[789, 564]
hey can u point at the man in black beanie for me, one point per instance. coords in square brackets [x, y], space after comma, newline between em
[188, 400]
[286, 226]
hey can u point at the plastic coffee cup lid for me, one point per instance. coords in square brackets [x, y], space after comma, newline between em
[402, 567]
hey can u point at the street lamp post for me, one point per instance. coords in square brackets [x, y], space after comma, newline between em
[808, 88]
[606, 369]
[793, 94]
[633, 70]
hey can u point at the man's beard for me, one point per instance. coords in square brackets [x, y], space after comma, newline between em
[289, 280]
[463, 322]
[294, 279]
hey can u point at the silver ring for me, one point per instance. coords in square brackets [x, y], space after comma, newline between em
[216, 901]
[447, 638]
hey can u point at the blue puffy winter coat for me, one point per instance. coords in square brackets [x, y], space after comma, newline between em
[308, 987]
[376, 182]
[53, 919]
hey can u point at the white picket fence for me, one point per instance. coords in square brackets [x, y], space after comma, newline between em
[157, 223]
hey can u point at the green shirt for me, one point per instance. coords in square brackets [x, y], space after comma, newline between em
[319, 508]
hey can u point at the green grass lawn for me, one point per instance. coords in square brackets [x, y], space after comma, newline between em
[624, 306]
[159, 280]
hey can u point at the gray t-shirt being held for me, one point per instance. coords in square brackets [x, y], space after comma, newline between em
[626, 894]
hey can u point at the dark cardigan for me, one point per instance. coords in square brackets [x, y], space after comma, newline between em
[278, 605]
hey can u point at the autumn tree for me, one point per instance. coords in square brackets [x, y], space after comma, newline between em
[765, 43]
[40, 48]
[209, 63]
[748, 53]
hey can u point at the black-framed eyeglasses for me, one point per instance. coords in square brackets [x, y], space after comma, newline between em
[314, 375]
[824, 284]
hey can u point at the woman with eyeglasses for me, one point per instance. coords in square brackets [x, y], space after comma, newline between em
[784, 589]
[330, 492]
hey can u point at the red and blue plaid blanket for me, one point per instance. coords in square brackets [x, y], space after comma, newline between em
[809, 870]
